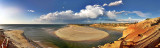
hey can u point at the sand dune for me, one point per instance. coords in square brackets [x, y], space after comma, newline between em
[80, 33]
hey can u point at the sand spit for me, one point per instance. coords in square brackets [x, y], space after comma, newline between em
[17, 39]
[80, 33]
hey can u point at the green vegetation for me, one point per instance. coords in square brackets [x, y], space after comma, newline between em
[148, 18]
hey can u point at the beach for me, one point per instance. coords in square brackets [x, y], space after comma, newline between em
[18, 39]
[80, 33]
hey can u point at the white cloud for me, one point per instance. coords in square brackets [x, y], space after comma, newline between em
[130, 20]
[90, 12]
[115, 3]
[104, 4]
[85, 15]
[141, 14]
[113, 14]
[30, 10]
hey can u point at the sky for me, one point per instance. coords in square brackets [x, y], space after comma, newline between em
[77, 11]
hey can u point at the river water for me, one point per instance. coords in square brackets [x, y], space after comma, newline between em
[43, 34]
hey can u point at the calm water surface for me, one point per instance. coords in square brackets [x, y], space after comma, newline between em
[44, 35]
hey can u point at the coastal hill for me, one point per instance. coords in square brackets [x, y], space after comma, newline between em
[112, 26]
[145, 34]
[80, 33]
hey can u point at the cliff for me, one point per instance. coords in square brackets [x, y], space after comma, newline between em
[145, 34]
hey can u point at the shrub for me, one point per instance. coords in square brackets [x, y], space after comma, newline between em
[148, 18]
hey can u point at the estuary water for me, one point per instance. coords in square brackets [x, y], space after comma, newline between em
[44, 35]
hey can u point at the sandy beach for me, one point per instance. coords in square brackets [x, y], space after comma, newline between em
[80, 33]
[17, 39]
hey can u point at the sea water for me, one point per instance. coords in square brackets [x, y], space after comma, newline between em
[44, 34]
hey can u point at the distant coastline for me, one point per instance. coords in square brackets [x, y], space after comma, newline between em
[112, 26]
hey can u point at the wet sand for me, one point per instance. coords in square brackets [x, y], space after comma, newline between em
[80, 33]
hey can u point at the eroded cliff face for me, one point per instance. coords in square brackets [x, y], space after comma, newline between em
[145, 34]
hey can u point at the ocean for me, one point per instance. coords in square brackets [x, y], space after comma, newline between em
[44, 34]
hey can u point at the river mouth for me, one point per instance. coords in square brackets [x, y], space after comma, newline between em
[42, 34]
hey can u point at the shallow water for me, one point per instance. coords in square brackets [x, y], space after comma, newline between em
[44, 35]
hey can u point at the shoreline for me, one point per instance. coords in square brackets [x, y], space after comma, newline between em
[32, 42]
[19, 40]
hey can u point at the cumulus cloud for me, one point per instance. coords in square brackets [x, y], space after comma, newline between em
[30, 10]
[68, 15]
[88, 15]
[91, 11]
[104, 4]
[115, 3]
[111, 14]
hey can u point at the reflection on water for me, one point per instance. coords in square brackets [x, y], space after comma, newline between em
[44, 35]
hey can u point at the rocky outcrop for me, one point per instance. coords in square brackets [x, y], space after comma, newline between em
[145, 34]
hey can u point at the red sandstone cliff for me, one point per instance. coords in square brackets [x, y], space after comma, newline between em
[145, 34]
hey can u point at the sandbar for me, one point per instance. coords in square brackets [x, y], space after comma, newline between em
[80, 33]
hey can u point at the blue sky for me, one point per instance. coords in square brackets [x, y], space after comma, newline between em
[76, 11]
